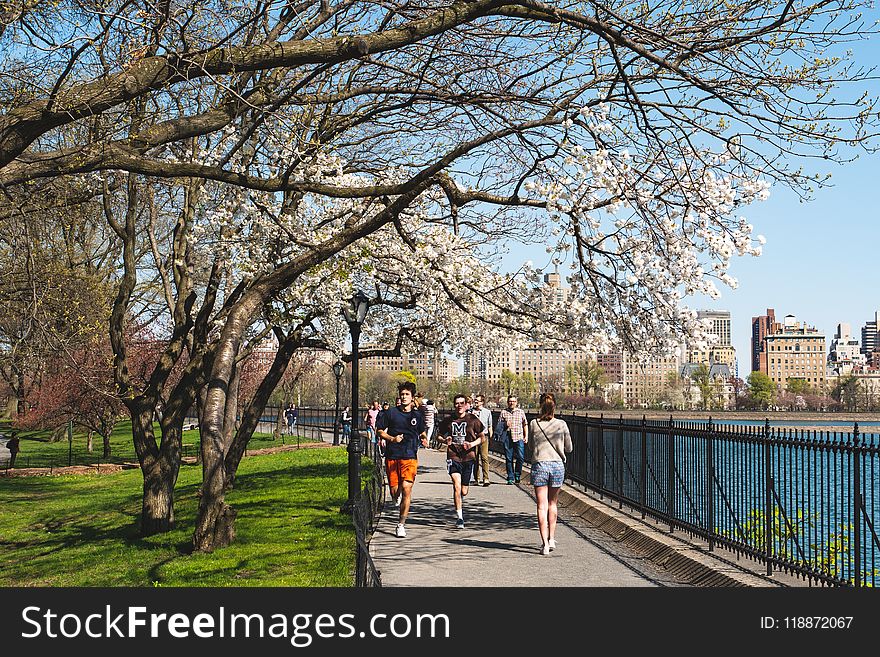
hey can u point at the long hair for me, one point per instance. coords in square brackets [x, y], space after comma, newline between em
[548, 406]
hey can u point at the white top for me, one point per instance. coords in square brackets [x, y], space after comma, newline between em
[485, 416]
[546, 434]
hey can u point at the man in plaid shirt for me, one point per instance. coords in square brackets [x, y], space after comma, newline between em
[513, 431]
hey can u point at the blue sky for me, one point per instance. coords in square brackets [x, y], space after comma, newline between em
[820, 260]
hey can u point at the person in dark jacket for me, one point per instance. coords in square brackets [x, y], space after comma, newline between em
[12, 446]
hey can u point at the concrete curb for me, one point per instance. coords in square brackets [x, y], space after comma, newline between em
[686, 562]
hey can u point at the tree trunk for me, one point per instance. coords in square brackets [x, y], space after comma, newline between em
[12, 407]
[89, 444]
[159, 467]
[215, 525]
[106, 440]
[157, 511]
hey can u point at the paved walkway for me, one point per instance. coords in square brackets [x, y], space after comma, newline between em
[498, 546]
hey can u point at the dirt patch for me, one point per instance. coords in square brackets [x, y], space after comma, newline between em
[97, 468]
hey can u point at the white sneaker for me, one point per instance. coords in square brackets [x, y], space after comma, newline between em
[397, 501]
[551, 543]
[400, 532]
[545, 549]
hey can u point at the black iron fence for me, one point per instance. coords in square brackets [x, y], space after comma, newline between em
[366, 511]
[802, 501]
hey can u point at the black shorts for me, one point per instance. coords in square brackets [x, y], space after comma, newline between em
[464, 468]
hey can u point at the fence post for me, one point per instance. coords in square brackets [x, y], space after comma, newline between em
[643, 475]
[670, 474]
[619, 462]
[600, 457]
[857, 505]
[768, 498]
[710, 485]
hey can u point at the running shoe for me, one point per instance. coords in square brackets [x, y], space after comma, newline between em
[486, 483]
[551, 543]
[459, 523]
[545, 549]
[400, 532]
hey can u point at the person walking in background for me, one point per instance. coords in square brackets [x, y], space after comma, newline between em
[379, 440]
[345, 421]
[403, 429]
[513, 431]
[430, 412]
[463, 433]
[13, 446]
[290, 416]
[481, 464]
[370, 419]
[551, 440]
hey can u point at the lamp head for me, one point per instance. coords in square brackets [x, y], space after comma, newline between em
[356, 310]
[338, 368]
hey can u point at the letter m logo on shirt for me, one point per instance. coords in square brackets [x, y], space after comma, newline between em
[459, 429]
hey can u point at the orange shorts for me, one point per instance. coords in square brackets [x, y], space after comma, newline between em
[401, 470]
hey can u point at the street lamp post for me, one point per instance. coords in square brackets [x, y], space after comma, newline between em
[355, 313]
[338, 369]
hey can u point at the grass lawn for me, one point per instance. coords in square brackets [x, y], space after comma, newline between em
[81, 530]
[37, 451]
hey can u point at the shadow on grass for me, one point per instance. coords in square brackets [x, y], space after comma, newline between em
[56, 532]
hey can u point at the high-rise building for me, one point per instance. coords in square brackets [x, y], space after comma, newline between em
[719, 324]
[553, 287]
[722, 350]
[546, 365]
[644, 382]
[762, 325]
[869, 335]
[844, 347]
[425, 364]
[612, 366]
[794, 351]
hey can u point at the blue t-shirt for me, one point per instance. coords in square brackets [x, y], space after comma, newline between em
[396, 422]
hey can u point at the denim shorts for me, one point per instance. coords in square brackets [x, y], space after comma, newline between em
[548, 473]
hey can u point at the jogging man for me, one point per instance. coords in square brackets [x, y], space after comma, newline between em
[481, 464]
[402, 428]
[463, 433]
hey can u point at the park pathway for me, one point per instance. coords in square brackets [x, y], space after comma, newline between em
[498, 546]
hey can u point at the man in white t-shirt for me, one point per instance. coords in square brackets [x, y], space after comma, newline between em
[430, 412]
[481, 465]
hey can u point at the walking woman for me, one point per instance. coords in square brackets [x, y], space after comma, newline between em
[345, 420]
[551, 440]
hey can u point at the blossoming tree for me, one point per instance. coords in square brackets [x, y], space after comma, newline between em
[263, 159]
